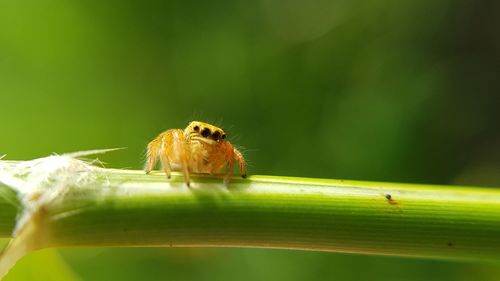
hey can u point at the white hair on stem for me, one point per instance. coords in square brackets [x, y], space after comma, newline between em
[39, 183]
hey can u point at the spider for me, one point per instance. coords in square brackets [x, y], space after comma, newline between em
[199, 148]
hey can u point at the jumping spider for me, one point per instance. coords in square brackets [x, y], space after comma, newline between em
[200, 148]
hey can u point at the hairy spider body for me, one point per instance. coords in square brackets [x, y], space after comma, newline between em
[199, 148]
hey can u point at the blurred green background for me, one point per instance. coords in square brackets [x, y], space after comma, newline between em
[368, 90]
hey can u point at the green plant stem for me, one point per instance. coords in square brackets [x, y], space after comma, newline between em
[277, 212]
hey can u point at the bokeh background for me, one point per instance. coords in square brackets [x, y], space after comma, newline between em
[382, 90]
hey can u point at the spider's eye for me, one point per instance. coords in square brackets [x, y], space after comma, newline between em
[205, 132]
[223, 136]
[196, 128]
[216, 135]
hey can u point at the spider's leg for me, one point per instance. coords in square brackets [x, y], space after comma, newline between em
[165, 161]
[152, 154]
[229, 170]
[241, 161]
[180, 147]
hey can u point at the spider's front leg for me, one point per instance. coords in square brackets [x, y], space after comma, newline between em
[229, 171]
[235, 156]
[241, 162]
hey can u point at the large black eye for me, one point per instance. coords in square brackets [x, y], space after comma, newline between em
[205, 132]
[196, 128]
[216, 135]
[223, 136]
